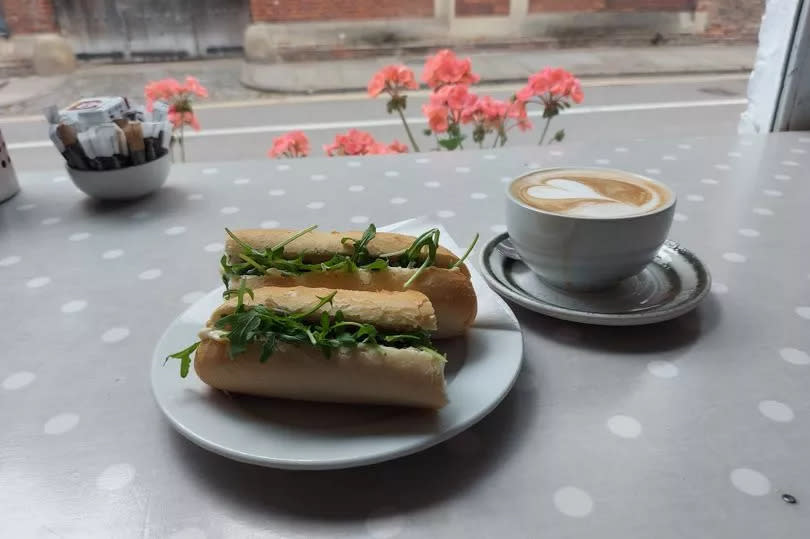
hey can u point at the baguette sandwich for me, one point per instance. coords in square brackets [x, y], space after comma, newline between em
[367, 261]
[321, 344]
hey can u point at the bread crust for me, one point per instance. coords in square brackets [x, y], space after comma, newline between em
[395, 311]
[450, 291]
[317, 246]
[365, 374]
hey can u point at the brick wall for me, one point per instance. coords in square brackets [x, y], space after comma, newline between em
[732, 18]
[539, 6]
[473, 8]
[325, 10]
[29, 16]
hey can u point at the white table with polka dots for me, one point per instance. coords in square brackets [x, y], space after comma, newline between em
[694, 428]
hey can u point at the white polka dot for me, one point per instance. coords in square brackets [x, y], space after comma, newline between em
[384, 523]
[354, 164]
[59, 179]
[26, 207]
[798, 150]
[422, 160]
[214, 248]
[734, 257]
[276, 192]
[317, 177]
[191, 297]
[746, 143]
[188, 533]
[478, 196]
[60, 424]
[79, 236]
[662, 368]
[114, 335]
[669, 158]
[772, 192]
[763, 211]
[229, 210]
[748, 232]
[398, 200]
[50, 221]
[652, 170]
[359, 219]
[719, 288]
[195, 196]
[722, 166]
[490, 156]
[680, 217]
[73, 306]
[38, 282]
[695, 198]
[684, 146]
[776, 411]
[9, 260]
[498, 229]
[269, 224]
[750, 482]
[795, 356]
[210, 170]
[445, 213]
[391, 173]
[356, 188]
[803, 312]
[556, 153]
[282, 168]
[782, 177]
[241, 181]
[432, 185]
[573, 502]
[150, 274]
[734, 154]
[506, 179]
[624, 426]
[532, 165]
[709, 181]
[790, 163]
[112, 253]
[140, 215]
[621, 149]
[462, 170]
[175, 230]
[18, 380]
[115, 477]
[316, 205]
[602, 161]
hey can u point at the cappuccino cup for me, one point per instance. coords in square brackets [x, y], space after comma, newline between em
[587, 228]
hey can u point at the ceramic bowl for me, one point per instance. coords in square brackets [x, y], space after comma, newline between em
[122, 183]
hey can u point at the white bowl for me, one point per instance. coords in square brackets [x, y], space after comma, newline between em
[122, 183]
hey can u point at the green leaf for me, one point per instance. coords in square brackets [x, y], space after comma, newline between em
[268, 347]
[427, 132]
[559, 135]
[184, 356]
[449, 143]
[461, 260]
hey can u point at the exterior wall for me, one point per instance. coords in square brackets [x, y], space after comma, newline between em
[323, 10]
[478, 8]
[732, 18]
[29, 16]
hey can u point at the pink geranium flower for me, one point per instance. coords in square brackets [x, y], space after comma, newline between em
[356, 142]
[392, 79]
[292, 144]
[552, 84]
[446, 106]
[179, 118]
[445, 68]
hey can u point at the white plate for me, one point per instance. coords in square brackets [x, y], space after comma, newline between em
[278, 433]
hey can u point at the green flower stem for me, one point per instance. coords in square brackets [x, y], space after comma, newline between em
[545, 130]
[408, 130]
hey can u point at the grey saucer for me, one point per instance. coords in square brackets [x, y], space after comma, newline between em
[673, 284]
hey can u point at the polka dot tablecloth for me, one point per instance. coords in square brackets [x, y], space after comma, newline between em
[698, 427]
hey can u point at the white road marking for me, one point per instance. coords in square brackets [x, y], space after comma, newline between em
[321, 126]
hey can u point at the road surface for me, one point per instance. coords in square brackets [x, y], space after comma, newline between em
[617, 109]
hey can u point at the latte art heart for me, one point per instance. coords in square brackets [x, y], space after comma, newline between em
[591, 194]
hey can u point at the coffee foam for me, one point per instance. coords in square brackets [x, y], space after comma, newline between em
[594, 194]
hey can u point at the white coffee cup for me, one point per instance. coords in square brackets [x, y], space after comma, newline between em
[587, 228]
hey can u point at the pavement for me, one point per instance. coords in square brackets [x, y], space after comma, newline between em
[224, 78]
